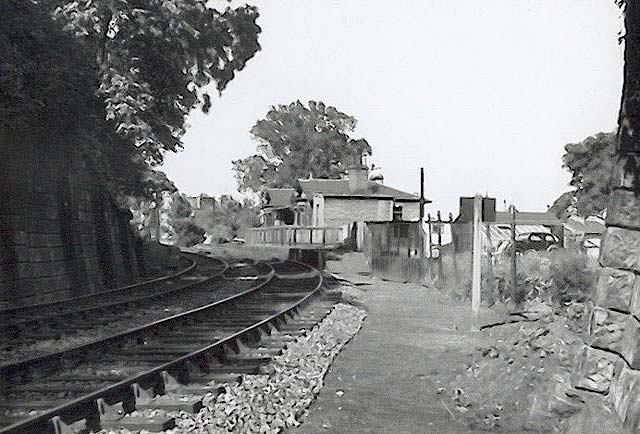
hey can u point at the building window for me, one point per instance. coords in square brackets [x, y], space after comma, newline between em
[397, 213]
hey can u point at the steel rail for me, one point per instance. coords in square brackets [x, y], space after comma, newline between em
[22, 365]
[192, 265]
[81, 408]
[99, 307]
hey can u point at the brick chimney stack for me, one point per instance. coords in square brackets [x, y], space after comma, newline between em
[358, 177]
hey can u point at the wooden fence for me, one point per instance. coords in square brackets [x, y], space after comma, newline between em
[297, 235]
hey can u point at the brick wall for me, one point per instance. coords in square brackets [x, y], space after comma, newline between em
[61, 236]
[339, 212]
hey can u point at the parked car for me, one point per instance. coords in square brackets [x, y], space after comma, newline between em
[540, 241]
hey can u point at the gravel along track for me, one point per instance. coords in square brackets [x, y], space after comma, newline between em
[85, 323]
[133, 367]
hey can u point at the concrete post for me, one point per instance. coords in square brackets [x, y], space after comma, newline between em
[477, 254]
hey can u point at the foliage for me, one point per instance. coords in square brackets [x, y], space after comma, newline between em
[559, 276]
[114, 79]
[230, 219]
[188, 233]
[591, 163]
[155, 57]
[296, 140]
[564, 206]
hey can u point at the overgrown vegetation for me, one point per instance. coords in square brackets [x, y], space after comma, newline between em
[557, 277]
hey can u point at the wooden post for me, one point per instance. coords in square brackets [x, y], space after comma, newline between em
[158, 228]
[421, 231]
[441, 275]
[514, 275]
[477, 255]
[453, 247]
[429, 233]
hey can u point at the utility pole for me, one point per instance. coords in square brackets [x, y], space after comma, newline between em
[421, 212]
[454, 255]
[441, 276]
[477, 255]
[514, 280]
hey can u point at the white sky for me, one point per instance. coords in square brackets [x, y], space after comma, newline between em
[483, 94]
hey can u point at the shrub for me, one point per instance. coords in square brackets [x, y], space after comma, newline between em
[574, 275]
[559, 276]
[188, 234]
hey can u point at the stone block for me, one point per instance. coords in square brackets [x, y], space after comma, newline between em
[624, 210]
[621, 249]
[606, 329]
[595, 371]
[626, 383]
[615, 289]
[631, 342]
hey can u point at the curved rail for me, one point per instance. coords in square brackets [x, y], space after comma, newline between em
[87, 406]
[190, 267]
[14, 368]
[10, 326]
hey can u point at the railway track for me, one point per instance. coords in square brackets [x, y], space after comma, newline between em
[95, 384]
[17, 320]
[67, 331]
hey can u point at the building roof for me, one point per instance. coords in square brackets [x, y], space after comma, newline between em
[590, 226]
[280, 197]
[340, 188]
[528, 218]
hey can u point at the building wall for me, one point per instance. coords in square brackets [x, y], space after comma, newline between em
[410, 211]
[61, 236]
[340, 212]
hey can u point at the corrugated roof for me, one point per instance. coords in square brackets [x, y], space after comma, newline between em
[340, 187]
[502, 232]
[528, 218]
[591, 225]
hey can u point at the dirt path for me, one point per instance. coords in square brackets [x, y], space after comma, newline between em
[386, 379]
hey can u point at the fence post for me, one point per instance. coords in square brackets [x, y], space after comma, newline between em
[454, 249]
[441, 275]
[477, 255]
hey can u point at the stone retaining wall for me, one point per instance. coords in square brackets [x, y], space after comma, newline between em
[61, 235]
[611, 364]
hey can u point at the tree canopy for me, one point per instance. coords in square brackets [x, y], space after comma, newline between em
[591, 163]
[118, 75]
[297, 140]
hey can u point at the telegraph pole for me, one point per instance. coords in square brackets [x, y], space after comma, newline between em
[477, 255]
[422, 212]
[514, 280]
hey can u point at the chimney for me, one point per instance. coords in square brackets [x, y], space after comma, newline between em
[358, 177]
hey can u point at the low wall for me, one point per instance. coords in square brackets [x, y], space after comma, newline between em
[313, 257]
[242, 251]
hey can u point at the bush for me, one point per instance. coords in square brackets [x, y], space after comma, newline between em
[574, 275]
[559, 276]
[188, 234]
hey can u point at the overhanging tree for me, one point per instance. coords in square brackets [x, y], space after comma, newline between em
[118, 77]
[297, 140]
[591, 164]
